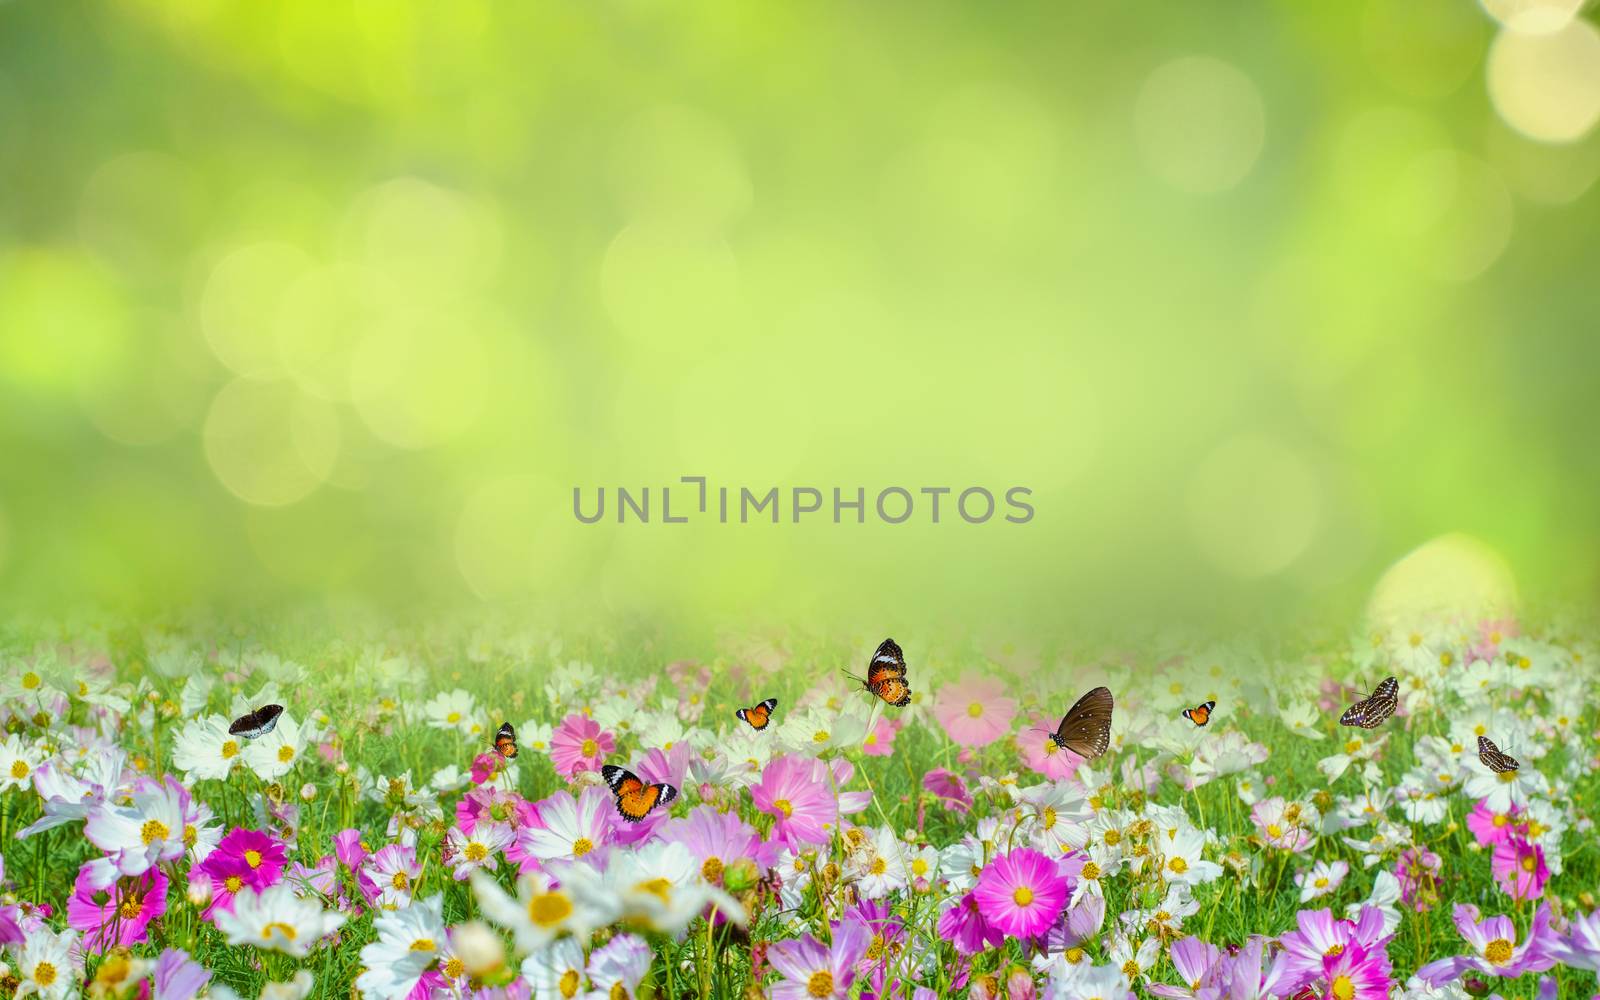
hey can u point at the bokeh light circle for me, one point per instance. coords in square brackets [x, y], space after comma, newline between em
[670, 286]
[1533, 16]
[1547, 85]
[240, 301]
[268, 442]
[680, 165]
[419, 382]
[1463, 215]
[1200, 123]
[1451, 577]
[1254, 506]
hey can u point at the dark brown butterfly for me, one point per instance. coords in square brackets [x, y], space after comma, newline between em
[1369, 712]
[1494, 759]
[255, 724]
[505, 741]
[886, 675]
[1086, 728]
[635, 799]
[758, 715]
[1200, 714]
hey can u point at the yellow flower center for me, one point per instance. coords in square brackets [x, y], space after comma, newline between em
[657, 887]
[152, 831]
[1131, 969]
[1274, 831]
[288, 932]
[285, 754]
[129, 908]
[1050, 746]
[424, 944]
[820, 984]
[1047, 819]
[711, 870]
[547, 909]
[233, 884]
[454, 968]
[400, 880]
[582, 846]
[477, 852]
[1091, 871]
[252, 858]
[1507, 777]
[975, 710]
[783, 806]
[1352, 746]
[1112, 837]
[590, 748]
[44, 973]
[1529, 863]
[1342, 988]
[19, 769]
[453, 718]
[1498, 951]
[1073, 956]
[1321, 883]
[1445, 659]
[1334, 950]
[230, 749]
[1501, 819]
[30, 680]
[1023, 896]
[569, 983]
[919, 868]
[1178, 865]
[820, 736]
[878, 866]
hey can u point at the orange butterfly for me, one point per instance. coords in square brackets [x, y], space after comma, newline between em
[760, 715]
[1200, 714]
[886, 675]
[635, 799]
[505, 741]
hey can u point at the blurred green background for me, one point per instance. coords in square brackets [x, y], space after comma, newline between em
[337, 301]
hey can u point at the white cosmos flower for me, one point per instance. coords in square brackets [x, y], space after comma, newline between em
[1385, 894]
[883, 866]
[196, 692]
[455, 710]
[17, 763]
[657, 884]
[1057, 815]
[1322, 879]
[274, 755]
[466, 853]
[409, 940]
[617, 969]
[539, 914]
[45, 966]
[556, 971]
[1181, 859]
[147, 831]
[534, 735]
[1302, 718]
[275, 919]
[204, 749]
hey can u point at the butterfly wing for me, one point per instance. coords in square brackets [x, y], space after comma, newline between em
[758, 715]
[893, 690]
[635, 799]
[505, 741]
[1200, 714]
[1369, 712]
[887, 661]
[254, 725]
[1086, 728]
[1494, 759]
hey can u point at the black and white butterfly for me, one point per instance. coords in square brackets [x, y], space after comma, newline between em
[1494, 759]
[253, 725]
[1086, 728]
[1369, 712]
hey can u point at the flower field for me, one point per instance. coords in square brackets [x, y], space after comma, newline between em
[630, 835]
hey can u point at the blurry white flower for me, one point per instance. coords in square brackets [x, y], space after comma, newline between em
[204, 749]
[408, 941]
[275, 919]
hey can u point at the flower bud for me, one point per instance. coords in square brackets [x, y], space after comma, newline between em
[478, 947]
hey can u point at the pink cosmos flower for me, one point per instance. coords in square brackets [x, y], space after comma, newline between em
[1278, 827]
[115, 914]
[950, 789]
[1319, 934]
[579, 744]
[1357, 974]
[974, 711]
[720, 841]
[486, 804]
[1519, 868]
[1490, 827]
[964, 927]
[813, 971]
[1197, 964]
[1417, 871]
[179, 977]
[484, 767]
[1040, 753]
[880, 741]
[389, 875]
[798, 792]
[1021, 893]
[1496, 950]
[349, 849]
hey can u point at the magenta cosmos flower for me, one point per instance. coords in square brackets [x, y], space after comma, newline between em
[1021, 893]
[1495, 948]
[720, 841]
[244, 859]
[579, 744]
[1417, 870]
[949, 788]
[799, 793]
[974, 711]
[115, 913]
[1519, 868]
[1319, 936]
[812, 971]
[1490, 828]
[964, 927]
